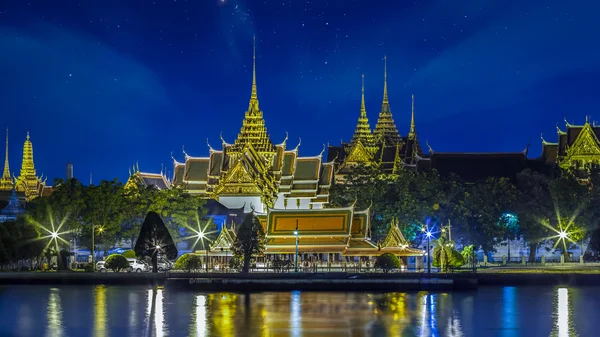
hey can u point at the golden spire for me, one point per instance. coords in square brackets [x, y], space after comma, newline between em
[253, 129]
[363, 110]
[6, 183]
[412, 131]
[386, 131]
[28, 181]
[385, 93]
[254, 94]
[363, 129]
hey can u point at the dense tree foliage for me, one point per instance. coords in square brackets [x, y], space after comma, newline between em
[115, 211]
[387, 262]
[532, 206]
[116, 263]
[249, 241]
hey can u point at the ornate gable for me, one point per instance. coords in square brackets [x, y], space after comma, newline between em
[224, 240]
[394, 237]
[585, 149]
[359, 154]
[238, 181]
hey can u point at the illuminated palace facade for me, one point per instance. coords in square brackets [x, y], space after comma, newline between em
[27, 185]
[288, 193]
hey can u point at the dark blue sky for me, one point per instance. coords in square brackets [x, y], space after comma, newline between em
[108, 83]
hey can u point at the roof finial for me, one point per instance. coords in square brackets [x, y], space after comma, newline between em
[363, 110]
[27, 135]
[385, 92]
[587, 119]
[412, 119]
[254, 95]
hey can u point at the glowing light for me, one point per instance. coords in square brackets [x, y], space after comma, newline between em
[54, 235]
[428, 234]
[563, 235]
[563, 312]
[295, 232]
[157, 246]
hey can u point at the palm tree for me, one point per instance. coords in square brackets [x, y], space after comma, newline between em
[444, 254]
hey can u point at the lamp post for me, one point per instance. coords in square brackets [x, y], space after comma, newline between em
[205, 244]
[428, 234]
[93, 237]
[296, 260]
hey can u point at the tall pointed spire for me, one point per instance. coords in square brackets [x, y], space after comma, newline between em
[362, 132]
[386, 102]
[363, 109]
[412, 133]
[254, 95]
[253, 129]
[6, 183]
[386, 131]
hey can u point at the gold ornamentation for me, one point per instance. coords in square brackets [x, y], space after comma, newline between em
[28, 182]
[6, 182]
[584, 150]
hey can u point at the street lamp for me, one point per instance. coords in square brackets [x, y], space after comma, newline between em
[100, 230]
[296, 234]
[205, 244]
[428, 235]
[54, 235]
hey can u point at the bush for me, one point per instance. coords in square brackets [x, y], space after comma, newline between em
[88, 267]
[387, 262]
[129, 254]
[188, 262]
[116, 262]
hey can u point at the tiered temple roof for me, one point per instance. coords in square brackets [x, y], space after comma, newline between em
[384, 147]
[577, 146]
[28, 182]
[254, 171]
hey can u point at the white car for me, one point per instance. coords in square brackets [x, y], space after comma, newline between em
[137, 266]
[100, 267]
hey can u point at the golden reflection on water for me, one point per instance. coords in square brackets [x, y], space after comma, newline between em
[223, 308]
[54, 314]
[100, 318]
[563, 314]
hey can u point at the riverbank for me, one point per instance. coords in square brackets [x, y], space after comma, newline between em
[308, 281]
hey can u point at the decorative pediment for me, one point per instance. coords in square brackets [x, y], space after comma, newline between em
[394, 237]
[224, 240]
[586, 144]
[359, 154]
[238, 180]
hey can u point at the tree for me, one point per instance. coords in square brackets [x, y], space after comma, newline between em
[188, 262]
[105, 205]
[534, 206]
[467, 254]
[484, 204]
[249, 241]
[178, 208]
[129, 254]
[387, 262]
[155, 239]
[445, 255]
[116, 262]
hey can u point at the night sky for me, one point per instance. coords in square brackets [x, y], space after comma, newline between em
[108, 83]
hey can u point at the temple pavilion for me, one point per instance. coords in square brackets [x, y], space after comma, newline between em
[289, 193]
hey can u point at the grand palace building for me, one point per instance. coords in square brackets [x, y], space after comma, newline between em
[290, 193]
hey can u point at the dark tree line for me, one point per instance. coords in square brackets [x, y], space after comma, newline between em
[481, 213]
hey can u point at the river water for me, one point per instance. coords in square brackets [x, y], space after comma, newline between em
[104, 311]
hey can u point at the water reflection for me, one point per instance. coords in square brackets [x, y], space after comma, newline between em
[100, 317]
[117, 311]
[509, 312]
[54, 315]
[563, 315]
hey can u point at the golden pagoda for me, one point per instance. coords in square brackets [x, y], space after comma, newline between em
[254, 173]
[6, 182]
[28, 182]
[384, 148]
